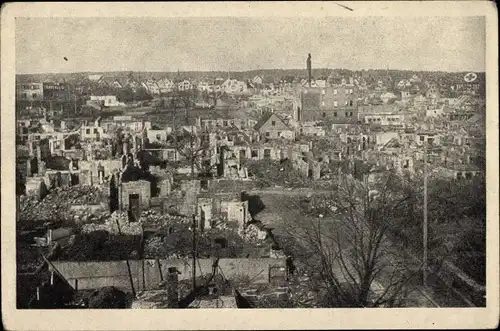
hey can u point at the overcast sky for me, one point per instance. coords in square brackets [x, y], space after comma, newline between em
[237, 44]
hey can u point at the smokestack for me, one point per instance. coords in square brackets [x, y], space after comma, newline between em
[309, 69]
[172, 288]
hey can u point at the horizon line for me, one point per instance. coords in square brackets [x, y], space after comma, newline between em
[241, 71]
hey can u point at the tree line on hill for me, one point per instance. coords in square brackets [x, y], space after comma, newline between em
[268, 75]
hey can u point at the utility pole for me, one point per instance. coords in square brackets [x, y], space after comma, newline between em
[191, 144]
[192, 153]
[194, 212]
[425, 218]
[194, 252]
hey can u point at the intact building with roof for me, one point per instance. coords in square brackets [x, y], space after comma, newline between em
[271, 126]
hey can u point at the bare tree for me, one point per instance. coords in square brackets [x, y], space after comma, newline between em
[197, 151]
[347, 250]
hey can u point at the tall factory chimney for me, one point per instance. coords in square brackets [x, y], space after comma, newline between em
[309, 74]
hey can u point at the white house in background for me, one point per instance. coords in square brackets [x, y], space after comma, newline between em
[305, 83]
[320, 82]
[151, 86]
[116, 84]
[415, 79]
[232, 86]
[403, 83]
[106, 100]
[204, 86]
[165, 85]
[94, 78]
[257, 80]
[185, 85]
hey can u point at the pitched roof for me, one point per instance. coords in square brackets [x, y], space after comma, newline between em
[108, 79]
[263, 120]
[392, 143]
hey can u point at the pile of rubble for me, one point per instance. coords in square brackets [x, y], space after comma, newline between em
[175, 240]
[80, 194]
[57, 205]
[220, 224]
[154, 247]
[101, 245]
[154, 219]
[107, 297]
[91, 227]
[321, 205]
[271, 173]
[254, 233]
[117, 223]
[89, 215]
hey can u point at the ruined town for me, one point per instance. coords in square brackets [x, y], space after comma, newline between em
[276, 188]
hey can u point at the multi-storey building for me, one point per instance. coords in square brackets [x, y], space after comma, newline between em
[55, 91]
[337, 104]
[29, 91]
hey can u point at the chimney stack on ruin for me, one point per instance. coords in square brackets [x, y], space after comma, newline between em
[126, 149]
[309, 70]
[38, 153]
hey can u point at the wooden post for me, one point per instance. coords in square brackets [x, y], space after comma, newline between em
[130, 277]
[159, 269]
